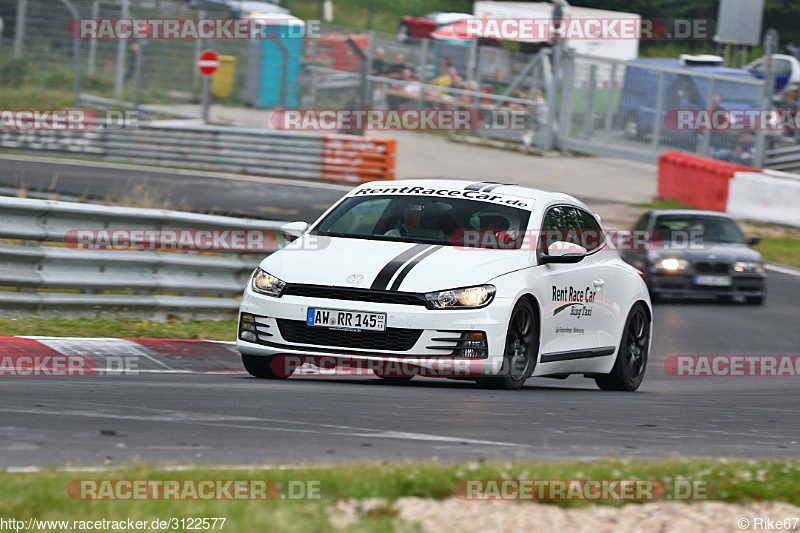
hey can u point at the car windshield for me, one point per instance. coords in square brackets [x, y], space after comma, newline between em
[447, 221]
[697, 228]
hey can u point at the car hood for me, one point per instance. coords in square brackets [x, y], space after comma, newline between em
[715, 253]
[320, 260]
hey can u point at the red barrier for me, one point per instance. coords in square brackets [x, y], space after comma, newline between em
[696, 181]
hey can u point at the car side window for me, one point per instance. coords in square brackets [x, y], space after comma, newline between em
[643, 222]
[560, 224]
[592, 236]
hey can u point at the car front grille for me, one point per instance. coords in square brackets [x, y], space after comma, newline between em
[704, 267]
[356, 295]
[392, 339]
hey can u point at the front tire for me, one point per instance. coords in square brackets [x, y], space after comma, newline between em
[628, 371]
[521, 350]
[260, 366]
[754, 300]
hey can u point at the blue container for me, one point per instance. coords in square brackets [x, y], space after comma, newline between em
[274, 67]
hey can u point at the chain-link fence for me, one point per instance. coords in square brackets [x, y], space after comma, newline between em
[533, 94]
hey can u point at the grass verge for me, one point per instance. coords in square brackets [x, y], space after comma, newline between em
[215, 330]
[44, 494]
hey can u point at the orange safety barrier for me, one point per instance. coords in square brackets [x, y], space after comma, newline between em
[357, 159]
[696, 181]
[333, 51]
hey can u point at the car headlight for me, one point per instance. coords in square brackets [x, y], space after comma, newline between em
[468, 298]
[748, 266]
[671, 264]
[266, 283]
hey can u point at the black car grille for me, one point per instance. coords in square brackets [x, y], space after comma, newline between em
[356, 295]
[392, 339]
[704, 267]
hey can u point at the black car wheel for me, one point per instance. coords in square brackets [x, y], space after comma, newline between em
[521, 350]
[631, 363]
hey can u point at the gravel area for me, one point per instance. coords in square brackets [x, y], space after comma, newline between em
[454, 515]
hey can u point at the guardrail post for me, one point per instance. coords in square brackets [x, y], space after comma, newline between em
[705, 141]
[19, 37]
[118, 80]
[610, 103]
[589, 117]
[659, 111]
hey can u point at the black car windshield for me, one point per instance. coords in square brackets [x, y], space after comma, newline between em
[447, 221]
[697, 228]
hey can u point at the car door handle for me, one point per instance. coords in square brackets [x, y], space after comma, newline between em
[598, 283]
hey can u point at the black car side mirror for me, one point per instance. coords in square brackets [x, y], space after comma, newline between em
[561, 252]
[752, 241]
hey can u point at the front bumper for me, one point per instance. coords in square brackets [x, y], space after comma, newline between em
[682, 284]
[413, 332]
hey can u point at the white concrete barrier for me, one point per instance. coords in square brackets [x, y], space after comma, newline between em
[771, 196]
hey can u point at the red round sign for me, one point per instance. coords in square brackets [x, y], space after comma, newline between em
[207, 63]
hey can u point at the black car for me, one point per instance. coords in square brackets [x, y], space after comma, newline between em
[697, 253]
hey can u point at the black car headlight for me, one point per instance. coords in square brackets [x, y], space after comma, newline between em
[266, 283]
[467, 298]
[748, 266]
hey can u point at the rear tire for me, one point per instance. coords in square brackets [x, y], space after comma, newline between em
[754, 300]
[260, 366]
[521, 350]
[631, 363]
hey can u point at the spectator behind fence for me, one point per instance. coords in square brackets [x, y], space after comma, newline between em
[742, 152]
[468, 99]
[789, 100]
[379, 67]
[396, 69]
[720, 140]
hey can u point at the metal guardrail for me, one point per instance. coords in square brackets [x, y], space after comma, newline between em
[786, 158]
[30, 275]
[289, 154]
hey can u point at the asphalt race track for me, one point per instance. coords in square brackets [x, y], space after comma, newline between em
[203, 192]
[235, 419]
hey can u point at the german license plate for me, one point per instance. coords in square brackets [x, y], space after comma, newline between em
[713, 281]
[352, 320]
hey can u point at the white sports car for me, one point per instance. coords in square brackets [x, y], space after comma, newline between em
[519, 281]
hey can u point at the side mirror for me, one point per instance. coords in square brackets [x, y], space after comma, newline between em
[561, 252]
[755, 239]
[293, 230]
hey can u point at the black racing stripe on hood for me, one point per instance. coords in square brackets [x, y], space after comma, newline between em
[492, 187]
[385, 275]
[406, 269]
[476, 186]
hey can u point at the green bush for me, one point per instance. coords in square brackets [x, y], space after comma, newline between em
[58, 79]
[13, 72]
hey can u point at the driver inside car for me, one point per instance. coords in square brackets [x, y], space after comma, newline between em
[412, 219]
